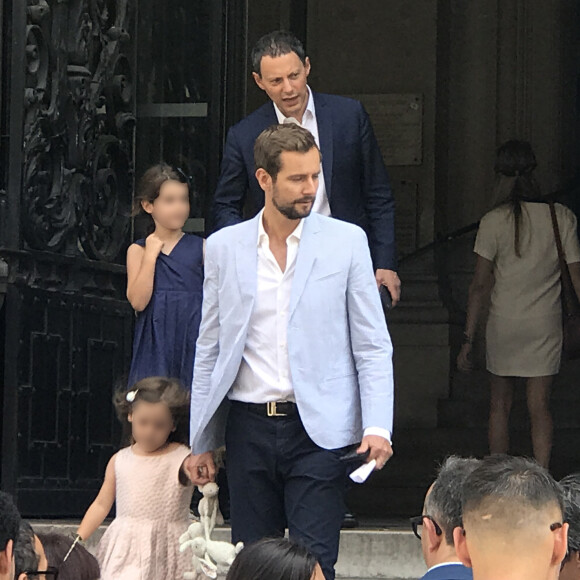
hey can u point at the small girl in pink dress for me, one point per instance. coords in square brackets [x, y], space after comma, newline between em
[149, 486]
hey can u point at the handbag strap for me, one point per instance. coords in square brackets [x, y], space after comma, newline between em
[569, 299]
[561, 259]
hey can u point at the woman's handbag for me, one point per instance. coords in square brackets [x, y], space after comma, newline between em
[570, 304]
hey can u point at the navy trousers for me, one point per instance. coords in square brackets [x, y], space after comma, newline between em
[278, 478]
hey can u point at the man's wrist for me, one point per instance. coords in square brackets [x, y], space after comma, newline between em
[378, 431]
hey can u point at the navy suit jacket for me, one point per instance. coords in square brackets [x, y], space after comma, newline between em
[357, 183]
[449, 572]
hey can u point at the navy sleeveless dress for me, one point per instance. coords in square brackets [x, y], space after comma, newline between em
[166, 331]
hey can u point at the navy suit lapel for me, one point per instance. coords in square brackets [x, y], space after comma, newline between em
[304, 260]
[269, 114]
[324, 122]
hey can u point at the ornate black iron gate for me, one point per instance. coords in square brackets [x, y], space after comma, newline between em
[68, 88]
[67, 179]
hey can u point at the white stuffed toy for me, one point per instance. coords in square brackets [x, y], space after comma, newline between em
[209, 557]
[221, 553]
[202, 567]
[209, 512]
[194, 531]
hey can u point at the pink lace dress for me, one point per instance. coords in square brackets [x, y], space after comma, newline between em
[142, 542]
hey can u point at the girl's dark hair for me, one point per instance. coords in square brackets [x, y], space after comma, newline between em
[514, 165]
[273, 558]
[80, 565]
[156, 390]
[150, 185]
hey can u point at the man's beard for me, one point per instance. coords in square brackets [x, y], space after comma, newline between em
[293, 211]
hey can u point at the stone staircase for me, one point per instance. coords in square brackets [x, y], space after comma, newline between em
[399, 489]
[440, 411]
[391, 552]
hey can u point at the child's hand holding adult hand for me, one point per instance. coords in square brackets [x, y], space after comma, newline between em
[200, 468]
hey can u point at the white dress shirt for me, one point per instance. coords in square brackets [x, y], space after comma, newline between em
[321, 204]
[264, 373]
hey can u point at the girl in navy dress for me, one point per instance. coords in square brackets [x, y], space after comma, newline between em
[165, 280]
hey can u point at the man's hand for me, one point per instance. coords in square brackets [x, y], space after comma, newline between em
[390, 279]
[379, 449]
[200, 468]
[464, 362]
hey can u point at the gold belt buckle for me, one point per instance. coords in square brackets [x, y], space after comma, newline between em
[272, 410]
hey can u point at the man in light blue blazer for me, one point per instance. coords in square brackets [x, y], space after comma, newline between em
[293, 361]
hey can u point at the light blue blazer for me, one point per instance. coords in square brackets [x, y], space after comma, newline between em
[339, 347]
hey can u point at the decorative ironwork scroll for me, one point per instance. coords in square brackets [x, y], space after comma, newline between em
[79, 127]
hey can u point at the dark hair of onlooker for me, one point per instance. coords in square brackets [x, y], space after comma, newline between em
[25, 556]
[514, 165]
[571, 488]
[273, 558]
[9, 521]
[273, 44]
[444, 501]
[516, 480]
[277, 139]
[80, 565]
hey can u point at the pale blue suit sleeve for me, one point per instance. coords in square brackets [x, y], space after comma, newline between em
[207, 346]
[370, 341]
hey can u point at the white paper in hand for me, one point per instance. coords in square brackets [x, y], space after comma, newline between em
[361, 474]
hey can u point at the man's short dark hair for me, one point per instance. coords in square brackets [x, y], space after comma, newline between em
[25, 556]
[275, 140]
[514, 482]
[9, 521]
[275, 44]
[444, 500]
[571, 488]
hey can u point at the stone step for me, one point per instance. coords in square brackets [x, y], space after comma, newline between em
[399, 489]
[390, 551]
[474, 414]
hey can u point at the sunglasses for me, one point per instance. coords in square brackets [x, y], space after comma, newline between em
[183, 178]
[50, 573]
[553, 527]
[418, 521]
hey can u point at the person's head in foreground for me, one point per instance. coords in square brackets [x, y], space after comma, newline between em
[30, 561]
[571, 564]
[275, 558]
[442, 511]
[9, 526]
[80, 564]
[513, 513]
[287, 168]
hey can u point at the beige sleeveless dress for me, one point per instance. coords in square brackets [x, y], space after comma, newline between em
[524, 328]
[142, 542]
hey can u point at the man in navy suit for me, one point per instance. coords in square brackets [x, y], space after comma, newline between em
[441, 515]
[354, 185]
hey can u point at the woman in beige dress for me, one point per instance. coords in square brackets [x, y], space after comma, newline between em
[518, 274]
